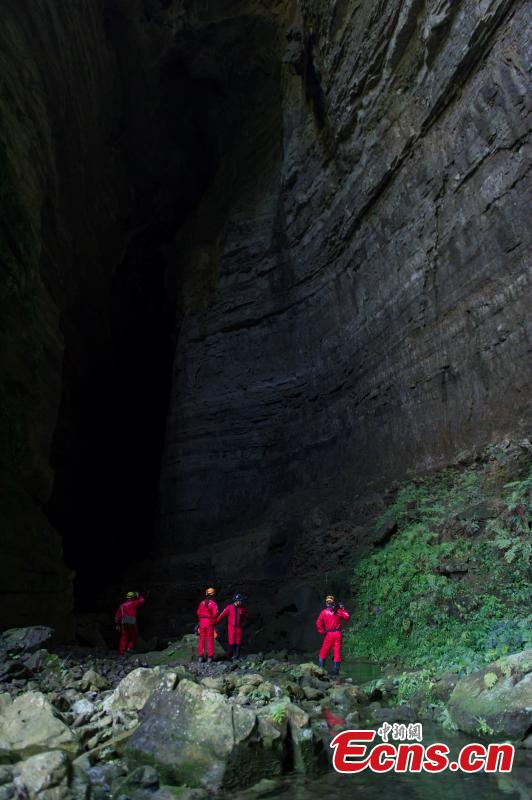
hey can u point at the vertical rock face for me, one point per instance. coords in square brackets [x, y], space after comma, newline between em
[60, 197]
[91, 175]
[321, 210]
[368, 283]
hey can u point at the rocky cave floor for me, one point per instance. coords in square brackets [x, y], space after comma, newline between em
[88, 724]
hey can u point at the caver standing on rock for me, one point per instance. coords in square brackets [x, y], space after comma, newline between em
[329, 625]
[207, 614]
[126, 621]
[236, 615]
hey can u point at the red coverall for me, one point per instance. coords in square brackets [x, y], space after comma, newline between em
[235, 618]
[126, 617]
[207, 613]
[329, 623]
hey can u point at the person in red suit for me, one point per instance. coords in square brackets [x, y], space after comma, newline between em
[329, 625]
[207, 613]
[126, 621]
[236, 614]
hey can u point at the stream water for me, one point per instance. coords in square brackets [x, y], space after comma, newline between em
[391, 786]
[447, 785]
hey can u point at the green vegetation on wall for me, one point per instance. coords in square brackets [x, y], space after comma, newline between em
[451, 589]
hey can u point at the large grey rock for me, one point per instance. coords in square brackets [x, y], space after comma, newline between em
[42, 660]
[93, 681]
[43, 777]
[306, 749]
[134, 690]
[196, 736]
[83, 708]
[497, 700]
[395, 714]
[28, 726]
[13, 669]
[184, 649]
[26, 640]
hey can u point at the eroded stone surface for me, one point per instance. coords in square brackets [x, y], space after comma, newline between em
[496, 701]
[195, 736]
[369, 309]
[29, 726]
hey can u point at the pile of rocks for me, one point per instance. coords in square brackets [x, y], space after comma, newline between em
[92, 726]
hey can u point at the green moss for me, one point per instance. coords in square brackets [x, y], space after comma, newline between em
[451, 589]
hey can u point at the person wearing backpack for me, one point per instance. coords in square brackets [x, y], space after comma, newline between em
[126, 621]
[207, 614]
[329, 625]
[235, 613]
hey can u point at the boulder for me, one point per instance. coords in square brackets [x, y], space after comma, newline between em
[444, 685]
[42, 660]
[103, 776]
[28, 726]
[5, 701]
[355, 696]
[497, 700]
[142, 782]
[13, 669]
[185, 649]
[7, 786]
[93, 681]
[293, 690]
[196, 736]
[395, 714]
[44, 776]
[251, 680]
[83, 708]
[134, 690]
[307, 750]
[26, 640]
[219, 684]
[265, 690]
[311, 693]
[312, 670]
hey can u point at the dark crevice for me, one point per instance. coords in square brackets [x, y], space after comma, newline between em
[171, 135]
[119, 348]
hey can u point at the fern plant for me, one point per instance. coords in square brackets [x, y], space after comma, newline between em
[278, 713]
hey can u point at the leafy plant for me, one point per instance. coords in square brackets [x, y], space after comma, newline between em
[278, 713]
[490, 679]
[411, 682]
[483, 728]
[410, 610]
[442, 716]
[259, 695]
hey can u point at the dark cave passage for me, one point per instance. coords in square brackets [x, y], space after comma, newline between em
[109, 438]
[120, 340]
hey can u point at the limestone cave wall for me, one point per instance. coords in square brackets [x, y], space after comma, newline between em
[368, 294]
